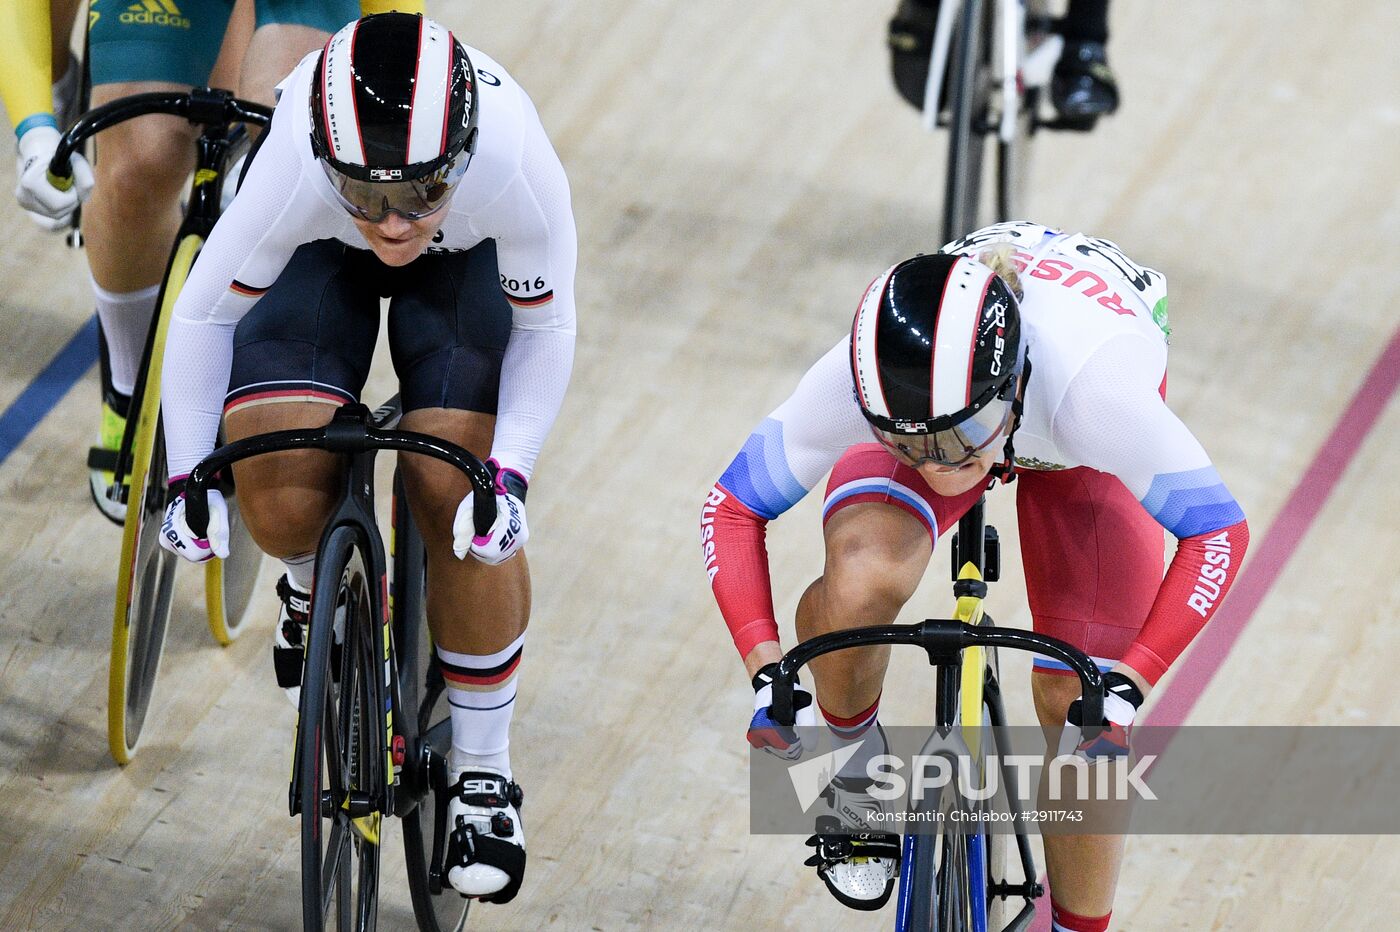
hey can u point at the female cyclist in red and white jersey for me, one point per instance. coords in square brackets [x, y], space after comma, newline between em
[1017, 329]
[399, 163]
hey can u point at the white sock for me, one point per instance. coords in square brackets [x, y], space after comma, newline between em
[300, 570]
[481, 689]
[125, 320]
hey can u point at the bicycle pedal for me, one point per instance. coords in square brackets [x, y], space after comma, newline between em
[1070, 124]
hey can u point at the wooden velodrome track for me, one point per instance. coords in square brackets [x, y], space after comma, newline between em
[739, 171]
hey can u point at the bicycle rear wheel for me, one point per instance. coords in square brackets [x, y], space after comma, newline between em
[229, 584]
[970, 128]
[427, 728]
[340, 746]
[1014, 156]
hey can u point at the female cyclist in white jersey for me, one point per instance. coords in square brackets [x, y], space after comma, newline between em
[1017, 330]
[398, 163]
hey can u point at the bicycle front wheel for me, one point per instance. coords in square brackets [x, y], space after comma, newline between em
[970, 128]
[146, 573]
[145, 590]
[340, 745]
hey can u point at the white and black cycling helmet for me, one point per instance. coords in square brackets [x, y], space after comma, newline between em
[393, 115]
[935, 354]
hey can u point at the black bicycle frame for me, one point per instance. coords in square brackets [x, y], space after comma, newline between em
[223, 117]
[360, 433]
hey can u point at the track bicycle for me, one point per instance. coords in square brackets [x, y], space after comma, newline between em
[996, 58]
[146, 572]
[957, 879]
[373, 726]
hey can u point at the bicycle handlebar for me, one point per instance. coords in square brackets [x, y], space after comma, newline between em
[944, 640]
[350, 433]
[202, 105]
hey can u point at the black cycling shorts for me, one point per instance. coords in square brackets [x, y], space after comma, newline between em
[312, 336]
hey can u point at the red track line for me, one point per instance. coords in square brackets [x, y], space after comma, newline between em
[1271, 555]
[1173, 705]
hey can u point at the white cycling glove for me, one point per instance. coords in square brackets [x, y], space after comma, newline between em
[49, 207]
[176, 536]
[510, 531]
[783, 741]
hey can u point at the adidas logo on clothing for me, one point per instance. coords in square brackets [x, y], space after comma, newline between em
[155, 13]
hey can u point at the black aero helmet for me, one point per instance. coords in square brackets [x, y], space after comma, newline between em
[934, 355]
[393, 114]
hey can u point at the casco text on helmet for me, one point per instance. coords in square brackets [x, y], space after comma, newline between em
[934, 358]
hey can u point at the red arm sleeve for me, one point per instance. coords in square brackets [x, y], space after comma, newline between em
[736, 560]
[1201, 573]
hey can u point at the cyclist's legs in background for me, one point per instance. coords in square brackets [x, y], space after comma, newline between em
[131, 220]
[237, 34]
[1093, 561]
[1086, 21]
[63, 63]
[910, 41]
[1083, 85]
[285, 31]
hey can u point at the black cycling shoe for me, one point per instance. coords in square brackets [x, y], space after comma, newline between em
[910, 42]
[1083, 87]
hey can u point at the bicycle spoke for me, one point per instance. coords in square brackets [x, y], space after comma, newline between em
[335, 763]
[339, 840]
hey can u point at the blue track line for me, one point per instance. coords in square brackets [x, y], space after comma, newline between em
[48, 388]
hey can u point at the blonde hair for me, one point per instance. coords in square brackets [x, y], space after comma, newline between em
[1000, 258]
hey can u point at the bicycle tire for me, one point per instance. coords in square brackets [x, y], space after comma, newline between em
[145, 571]
[1014, 157]
[998, 908]
[340, 746]
[968, 128]
[229, 584]
[951, 886]
[424, 715]
[145, 592]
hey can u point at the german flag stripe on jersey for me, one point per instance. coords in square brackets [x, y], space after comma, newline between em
[536, 301]
[247, 291]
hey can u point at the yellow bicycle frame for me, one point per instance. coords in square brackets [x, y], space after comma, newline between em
[974, 662]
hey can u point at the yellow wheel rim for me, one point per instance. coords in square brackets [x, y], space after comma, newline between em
[148, 422]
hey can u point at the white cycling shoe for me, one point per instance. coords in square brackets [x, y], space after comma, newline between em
[486, 850]
[858, 865]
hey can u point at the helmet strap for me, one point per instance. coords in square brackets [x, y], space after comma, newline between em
[1005, 471]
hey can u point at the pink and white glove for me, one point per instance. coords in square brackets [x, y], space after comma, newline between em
[510, 531]
[176, 536]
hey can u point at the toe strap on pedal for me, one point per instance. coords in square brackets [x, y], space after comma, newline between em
[832, 849]
[102, 458]
[467, 846]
